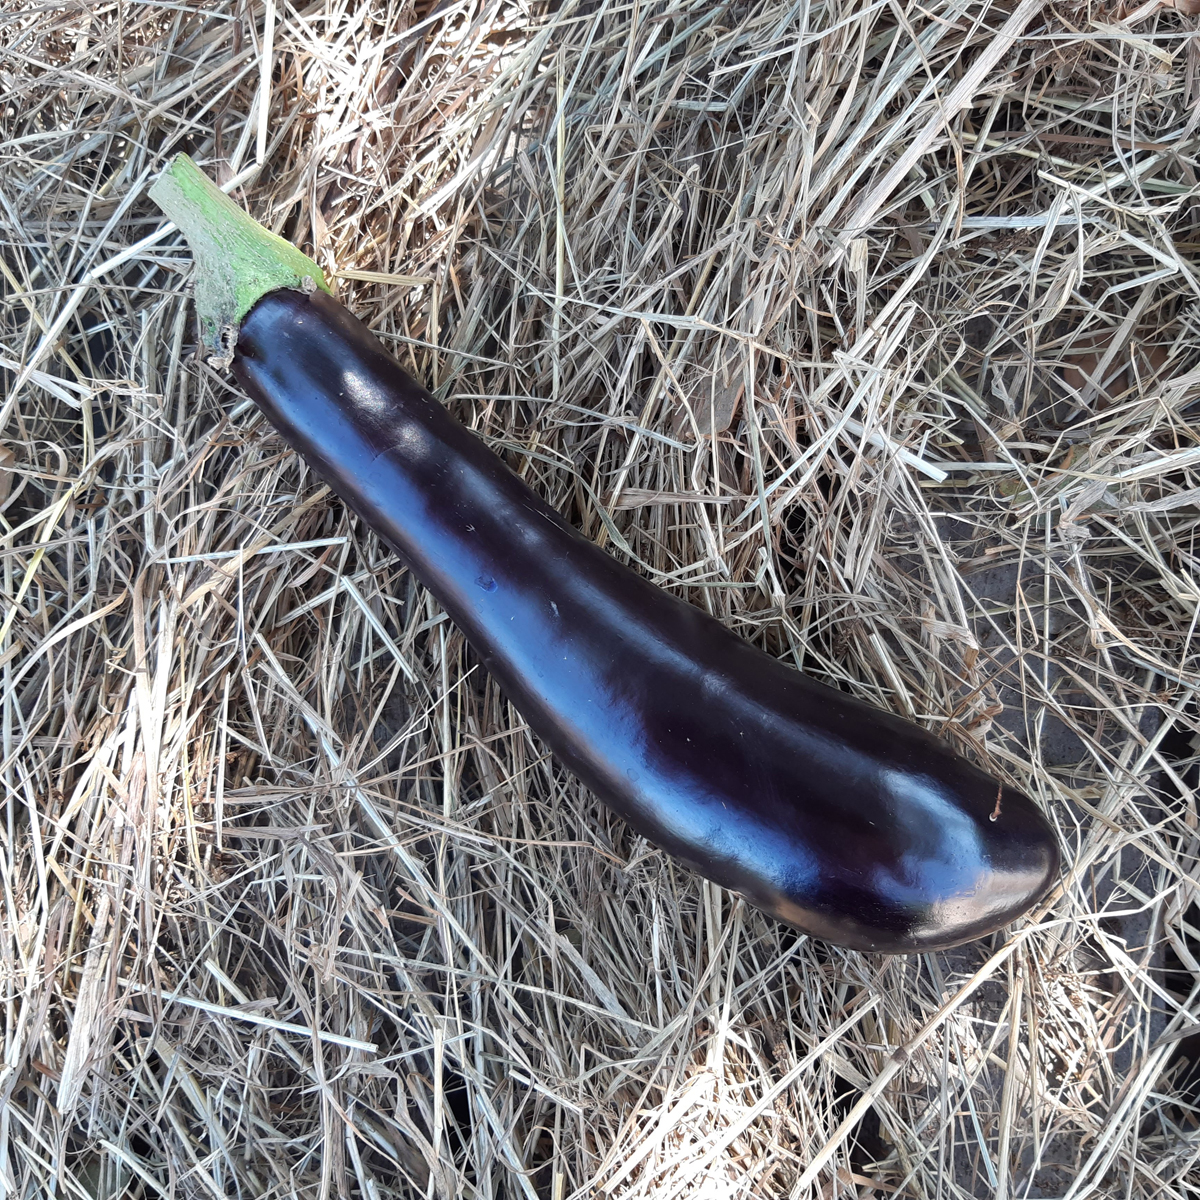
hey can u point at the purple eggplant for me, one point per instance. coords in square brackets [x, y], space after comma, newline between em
[847, 822]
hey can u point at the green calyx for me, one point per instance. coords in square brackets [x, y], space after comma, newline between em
[237, 260]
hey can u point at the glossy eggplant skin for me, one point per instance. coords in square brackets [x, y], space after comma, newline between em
[849, 823]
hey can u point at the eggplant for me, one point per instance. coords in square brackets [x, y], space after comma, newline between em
[848, 823]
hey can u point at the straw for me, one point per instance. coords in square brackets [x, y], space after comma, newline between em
[872, 329]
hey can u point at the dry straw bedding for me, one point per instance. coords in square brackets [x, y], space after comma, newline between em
[873, 327]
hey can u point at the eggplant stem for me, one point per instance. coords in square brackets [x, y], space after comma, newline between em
[237, 260]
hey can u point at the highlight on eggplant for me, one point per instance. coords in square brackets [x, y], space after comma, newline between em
[845, 821]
